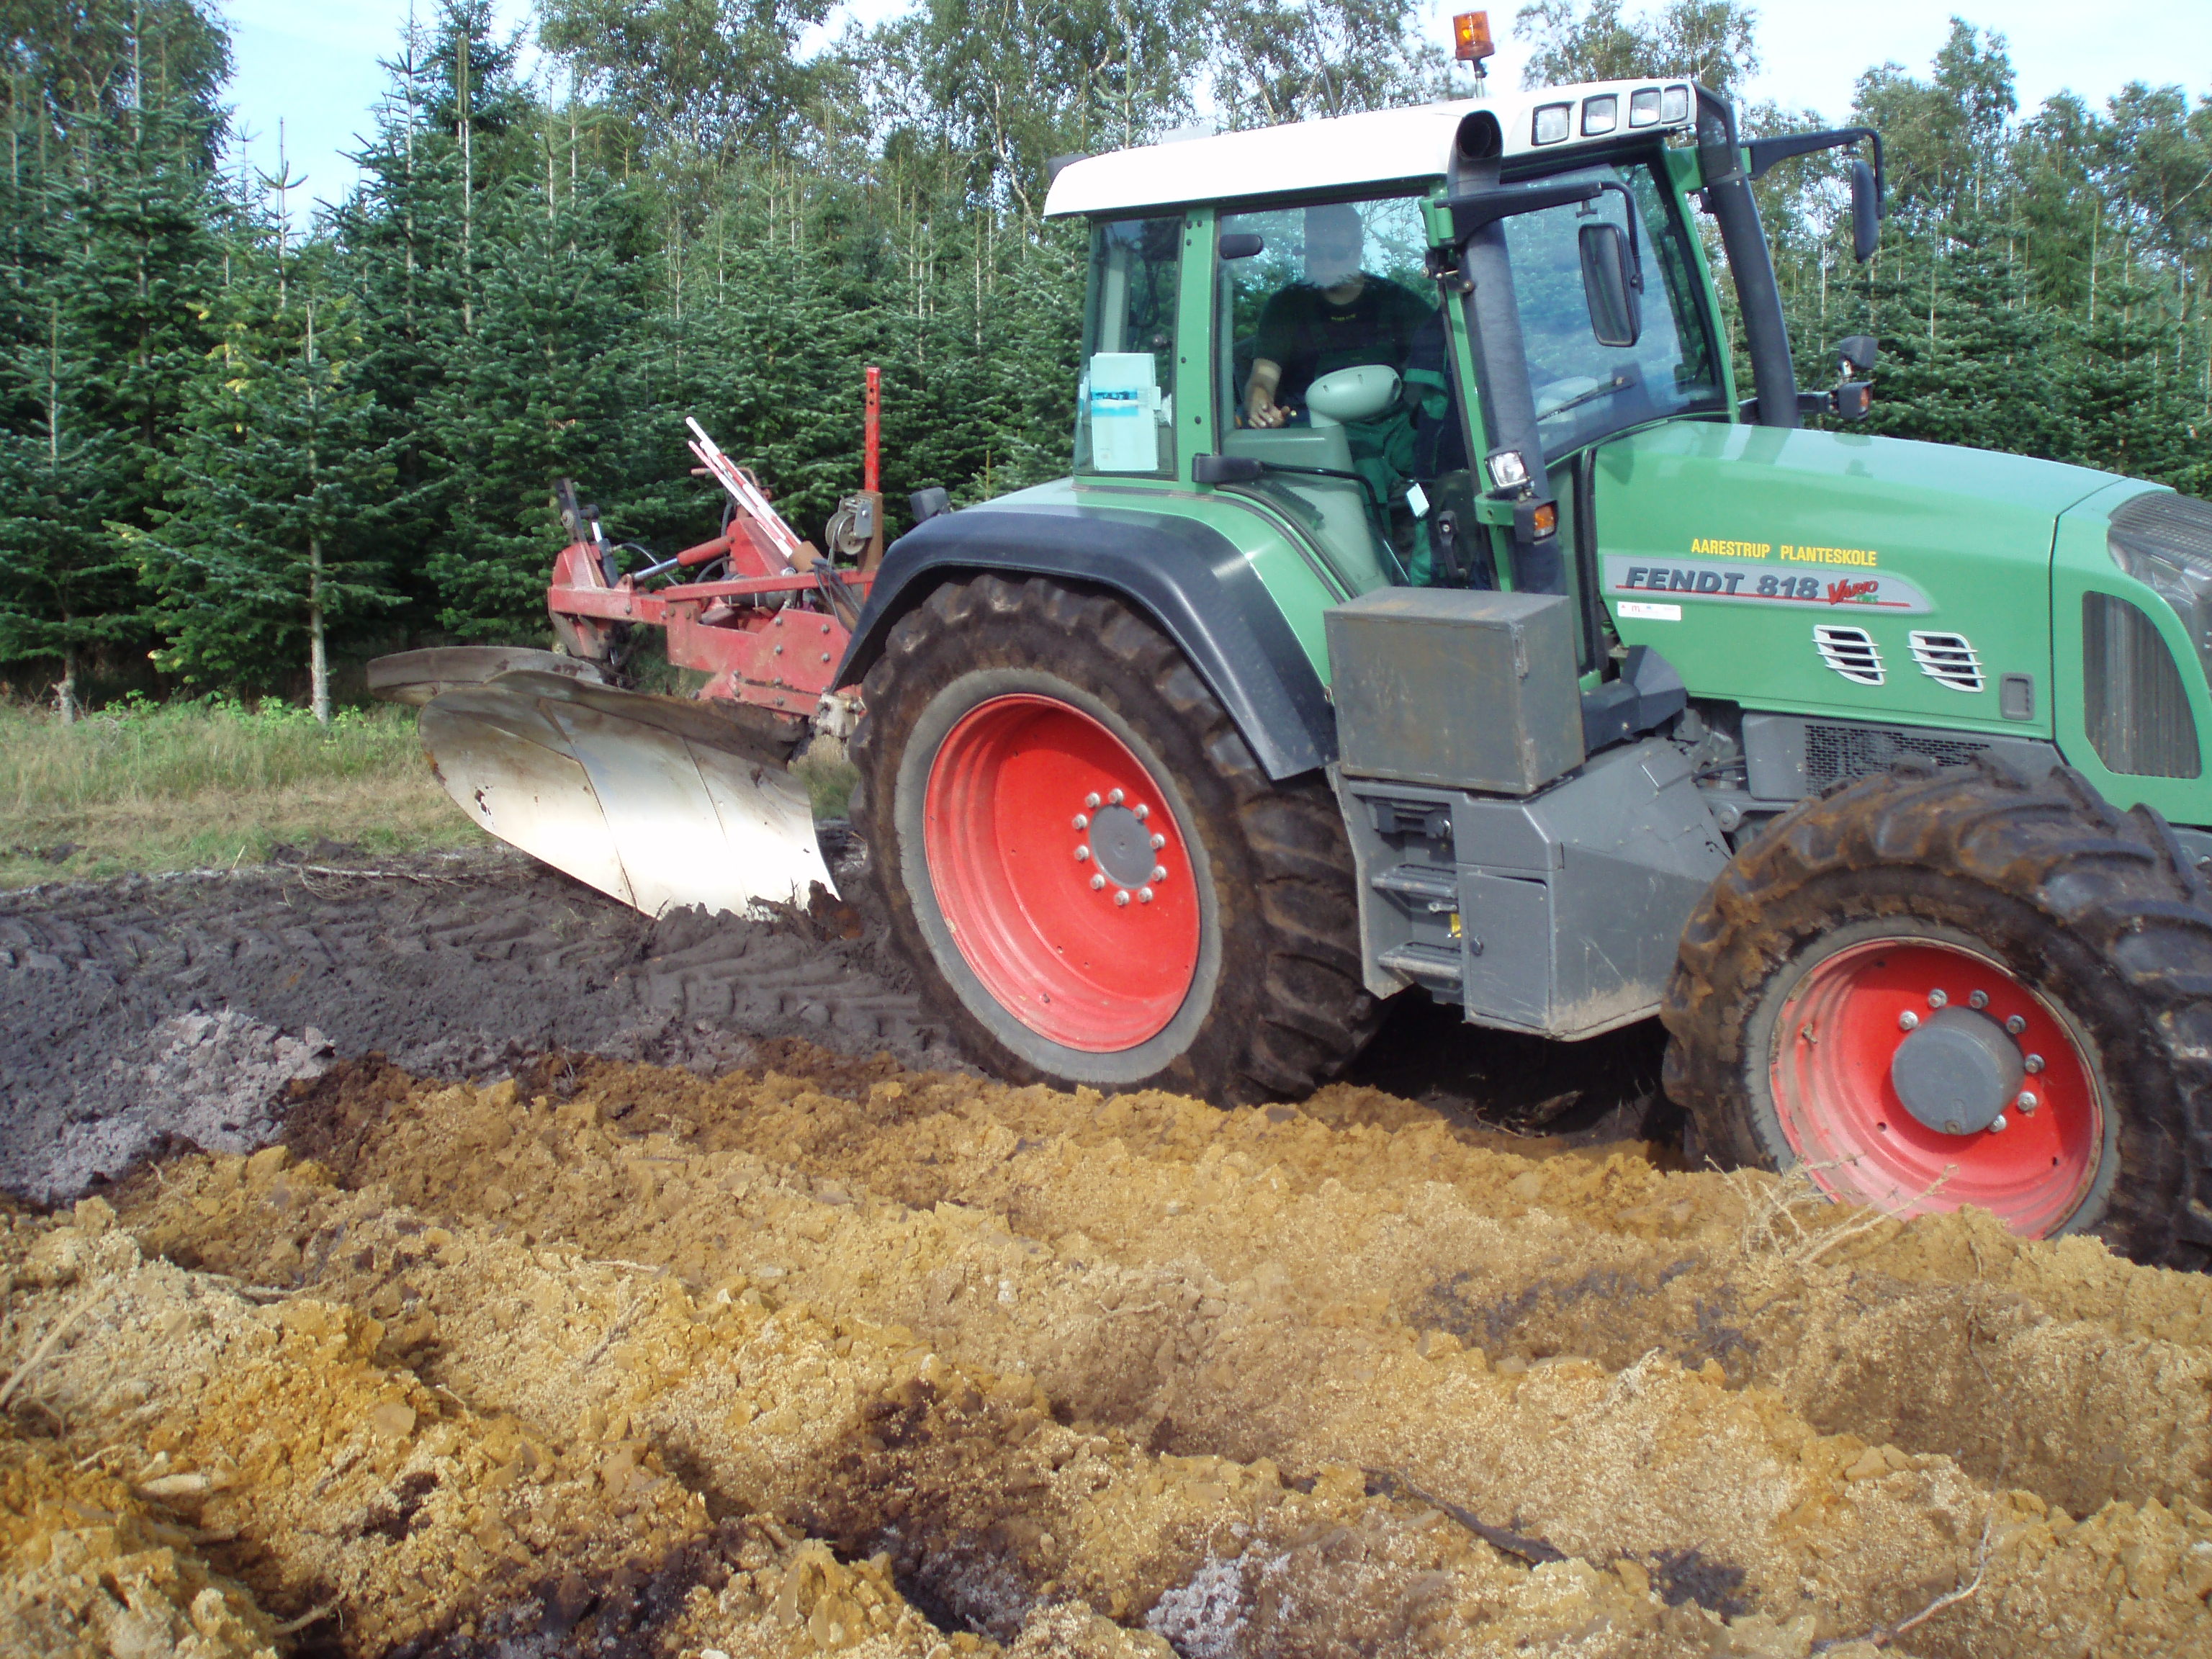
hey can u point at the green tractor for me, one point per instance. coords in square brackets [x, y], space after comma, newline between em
[1429, 608]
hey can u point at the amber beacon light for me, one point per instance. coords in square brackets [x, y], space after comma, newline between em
[1471, 41]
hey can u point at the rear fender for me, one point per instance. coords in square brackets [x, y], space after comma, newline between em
[1189, 581]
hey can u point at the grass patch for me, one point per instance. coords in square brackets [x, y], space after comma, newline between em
[187, 786]
[828, 777]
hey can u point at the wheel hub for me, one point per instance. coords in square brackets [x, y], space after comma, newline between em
[1958, 1072]
[1062, 875]
[1916, 1074]
[1122, 844]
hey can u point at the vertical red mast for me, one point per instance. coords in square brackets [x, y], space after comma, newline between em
[871, 467]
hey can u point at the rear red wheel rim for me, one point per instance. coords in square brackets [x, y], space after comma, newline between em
[1833, 1044]
[1092, 946]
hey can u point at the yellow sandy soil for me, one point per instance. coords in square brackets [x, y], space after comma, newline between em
[846, 1357]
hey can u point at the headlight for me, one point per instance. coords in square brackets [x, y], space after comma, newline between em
[2165, 541]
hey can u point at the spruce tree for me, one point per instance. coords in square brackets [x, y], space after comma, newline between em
[111, 215]
[271, 542]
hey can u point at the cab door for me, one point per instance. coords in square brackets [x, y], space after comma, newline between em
[1586, 392]
[1336, 475]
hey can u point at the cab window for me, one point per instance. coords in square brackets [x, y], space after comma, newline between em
[1125, 405]
[1583, 389]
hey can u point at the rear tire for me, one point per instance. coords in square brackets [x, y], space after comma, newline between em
[1860, 915]
[998, 710]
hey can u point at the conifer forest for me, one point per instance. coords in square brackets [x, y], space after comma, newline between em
[245, 446]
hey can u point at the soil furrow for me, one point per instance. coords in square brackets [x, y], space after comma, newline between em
[1136, 1332]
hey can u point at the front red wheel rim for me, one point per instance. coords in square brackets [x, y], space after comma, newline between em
[1061, 873]
[1834, 1043]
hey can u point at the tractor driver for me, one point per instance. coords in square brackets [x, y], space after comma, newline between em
[1339, 318]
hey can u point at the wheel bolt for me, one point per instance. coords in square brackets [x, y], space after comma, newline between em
[1113, 797]
[1082, 854]
[1122, 897]
[1144, 895]
[1997, 1124]
[1908, 1021]
[1980, 999]
[2033, 1062]
[2016, 1024]
[1158, 841]
[1142, 813]
[1097, 882]
[1092, 800]
[1159, 872]
[2027, 1101]
[1937, 998]
[1082, 821]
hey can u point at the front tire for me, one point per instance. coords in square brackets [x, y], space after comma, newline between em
[1092, 877]
[2062, 949]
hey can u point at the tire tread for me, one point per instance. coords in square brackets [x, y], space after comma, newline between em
[2119, 882]
[1313, 1012]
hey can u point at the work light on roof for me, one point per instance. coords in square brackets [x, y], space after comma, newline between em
[1643, 108]
[1600, 114]
[1553, 123]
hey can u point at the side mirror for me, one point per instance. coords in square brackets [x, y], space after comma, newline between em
[1611, 285]
[1866, 212]
[1241, 244]
[1858, 352]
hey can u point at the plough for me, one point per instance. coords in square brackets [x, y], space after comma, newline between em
[662, 800]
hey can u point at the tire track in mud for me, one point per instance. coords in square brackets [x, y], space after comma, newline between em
[150, 1012]
[1032, 1349]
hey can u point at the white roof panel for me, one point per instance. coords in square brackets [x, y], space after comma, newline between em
[1380, 147]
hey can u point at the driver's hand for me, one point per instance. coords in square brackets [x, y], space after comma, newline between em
[1261, 409]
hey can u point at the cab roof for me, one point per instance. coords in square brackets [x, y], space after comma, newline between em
[1382, 146]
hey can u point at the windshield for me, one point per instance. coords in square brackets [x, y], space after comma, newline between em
[1585, 390]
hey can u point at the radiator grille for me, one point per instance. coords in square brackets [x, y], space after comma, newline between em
[1850, 651]
[1948, 659]
[2134, 704]
[1835, 752]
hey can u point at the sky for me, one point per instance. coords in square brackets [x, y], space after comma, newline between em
[310, 72]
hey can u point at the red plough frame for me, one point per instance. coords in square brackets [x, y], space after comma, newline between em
[772, 633]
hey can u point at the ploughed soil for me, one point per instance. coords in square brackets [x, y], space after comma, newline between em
[579, 1284]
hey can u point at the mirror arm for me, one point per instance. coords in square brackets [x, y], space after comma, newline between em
[1766, 152]
[1635, 245]
[1476, 209]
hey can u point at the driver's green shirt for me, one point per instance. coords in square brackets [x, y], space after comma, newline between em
[1308, 338]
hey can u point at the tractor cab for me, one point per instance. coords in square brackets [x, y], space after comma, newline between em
[1384, 334]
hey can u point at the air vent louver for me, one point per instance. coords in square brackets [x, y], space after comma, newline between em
[1948, 659]
[1850, 651]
